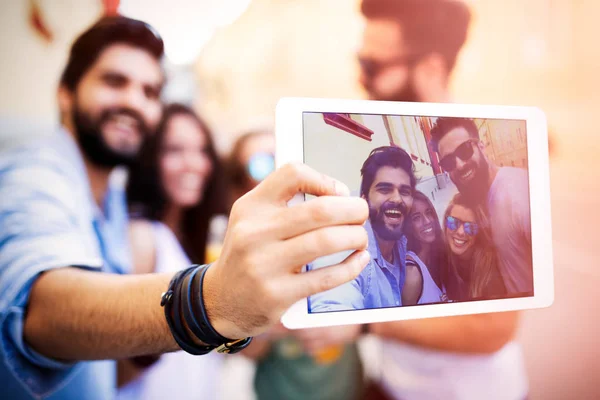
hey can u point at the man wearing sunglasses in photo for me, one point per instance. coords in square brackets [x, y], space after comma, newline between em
[502, 194]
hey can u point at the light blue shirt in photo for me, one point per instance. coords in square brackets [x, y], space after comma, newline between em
[378, 285]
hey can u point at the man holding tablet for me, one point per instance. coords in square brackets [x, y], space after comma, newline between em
[388, 182]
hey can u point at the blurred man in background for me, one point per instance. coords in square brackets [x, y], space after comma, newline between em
[409, 51]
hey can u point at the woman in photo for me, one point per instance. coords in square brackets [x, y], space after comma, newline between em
[426, 254]
[173, 193]
[472, 269]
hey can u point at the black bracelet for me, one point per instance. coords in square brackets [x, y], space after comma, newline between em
[170, 301]
[224, 345]
[179, 302]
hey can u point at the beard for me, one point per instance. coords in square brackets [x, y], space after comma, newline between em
[92, 142]
[408, 93]
[476, 189]
[377, 218]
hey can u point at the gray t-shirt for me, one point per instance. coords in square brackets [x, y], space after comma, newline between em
[509, 213]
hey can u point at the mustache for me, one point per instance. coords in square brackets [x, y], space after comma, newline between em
[109, 113]
[388, 206]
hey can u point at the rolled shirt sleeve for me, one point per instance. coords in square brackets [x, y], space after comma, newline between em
[44, 224]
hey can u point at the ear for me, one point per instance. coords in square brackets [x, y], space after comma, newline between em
[65, 99]
[431, 77]
[481, 145]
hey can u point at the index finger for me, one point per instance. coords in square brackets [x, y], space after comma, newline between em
[291, 179]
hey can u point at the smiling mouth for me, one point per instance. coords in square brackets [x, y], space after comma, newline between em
[190, 182]
[427, 231]
[393, 214]
[467, 175]
[126, 124]
[459, 242]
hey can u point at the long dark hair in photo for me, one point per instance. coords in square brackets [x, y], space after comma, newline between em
[438, 259]
[146, 196]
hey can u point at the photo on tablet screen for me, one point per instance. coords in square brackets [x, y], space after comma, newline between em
[449, 212]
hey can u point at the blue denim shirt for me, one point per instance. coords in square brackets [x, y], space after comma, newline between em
[48, 219]
[376, 286]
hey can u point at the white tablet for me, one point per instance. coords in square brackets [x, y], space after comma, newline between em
[459, 201]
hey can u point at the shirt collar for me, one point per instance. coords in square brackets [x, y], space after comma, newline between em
[373, 247]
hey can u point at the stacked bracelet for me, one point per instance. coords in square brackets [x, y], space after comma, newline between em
[183, 301]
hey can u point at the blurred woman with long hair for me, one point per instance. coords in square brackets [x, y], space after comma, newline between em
[173, 192]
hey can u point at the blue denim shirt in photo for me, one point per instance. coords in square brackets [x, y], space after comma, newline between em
[377, 286]
[48, 219]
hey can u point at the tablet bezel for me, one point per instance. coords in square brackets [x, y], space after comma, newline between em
[290, 148]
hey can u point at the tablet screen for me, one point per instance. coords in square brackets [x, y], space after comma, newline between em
[449, 211]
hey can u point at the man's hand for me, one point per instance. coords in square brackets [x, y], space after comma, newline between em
[315, 340]
[257, 276]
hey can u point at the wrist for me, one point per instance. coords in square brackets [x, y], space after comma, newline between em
[187, 317]
[210, 294]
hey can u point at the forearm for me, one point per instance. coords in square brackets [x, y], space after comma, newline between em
[479, 333]
[82, 315]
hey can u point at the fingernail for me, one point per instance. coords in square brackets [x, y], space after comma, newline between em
[341, 189]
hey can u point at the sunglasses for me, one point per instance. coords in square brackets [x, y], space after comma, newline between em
[471, 228]
[371, 67]
[260, 166]
[464, 152]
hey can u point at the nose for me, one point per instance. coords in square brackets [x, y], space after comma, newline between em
[460, 164]
[197, 162]
[396, 197]
[460, 231]
[427, 220]
[133, 97]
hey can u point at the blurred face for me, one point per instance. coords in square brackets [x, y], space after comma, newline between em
[390, 201]
[386, 62]
[463, 159]
[461, 231]
[423, 220]
[116, 104]
[185, 165]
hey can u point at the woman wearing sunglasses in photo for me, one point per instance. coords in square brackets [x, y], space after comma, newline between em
[472, 268]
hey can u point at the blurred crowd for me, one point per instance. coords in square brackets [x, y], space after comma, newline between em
[161, 160]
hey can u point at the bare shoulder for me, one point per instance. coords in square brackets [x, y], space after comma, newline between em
[141, 238]
[413, 284]
[413, 275]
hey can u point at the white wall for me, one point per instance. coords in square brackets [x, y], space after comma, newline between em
[337, 153]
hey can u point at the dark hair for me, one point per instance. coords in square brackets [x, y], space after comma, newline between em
[104, 33]
[439, 257]
[146, 195]
[484, 279]
[443, 125]
[385, 156]
[428, 26]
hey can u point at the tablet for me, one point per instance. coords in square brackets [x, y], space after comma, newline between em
[459, 206]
